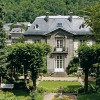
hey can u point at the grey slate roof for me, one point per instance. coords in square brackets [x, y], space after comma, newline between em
[15, 30]
[47, 27]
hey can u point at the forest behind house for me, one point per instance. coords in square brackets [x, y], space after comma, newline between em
[28, 10]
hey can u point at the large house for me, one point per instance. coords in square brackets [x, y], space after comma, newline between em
[63, 33]
[15, 30]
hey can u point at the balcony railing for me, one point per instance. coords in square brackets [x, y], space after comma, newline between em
[63, 49]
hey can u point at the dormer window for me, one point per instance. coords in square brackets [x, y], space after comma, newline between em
[36, 27]
[59, 24]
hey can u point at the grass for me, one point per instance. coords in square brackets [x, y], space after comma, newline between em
[92, 96]
[23, 95]
[52, 86]
[56, 84]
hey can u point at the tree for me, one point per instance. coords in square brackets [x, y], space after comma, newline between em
[3, 52]
[31, 56]
[86, 60]
[93, 20]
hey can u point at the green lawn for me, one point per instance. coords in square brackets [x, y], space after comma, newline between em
[52, 86]
[56, 84]
[92, 96]
[23, 95]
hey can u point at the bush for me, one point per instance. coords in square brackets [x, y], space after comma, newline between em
[93, 88]
[19, 84]
[33, 94]
[69, 90]
[8, 96]
[41, 90]
[81, 90]
[72, 66]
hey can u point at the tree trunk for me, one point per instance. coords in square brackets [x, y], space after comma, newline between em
[0, 79]
[25, 75]
[86, 80]
[97, 75]
[34, 84]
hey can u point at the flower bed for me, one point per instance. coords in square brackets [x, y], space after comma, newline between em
[64, 97]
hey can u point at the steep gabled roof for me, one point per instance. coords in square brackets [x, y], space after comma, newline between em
[42, 27]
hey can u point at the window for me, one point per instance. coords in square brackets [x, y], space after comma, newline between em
[36, 41]
[82, 41]
[59, 24]
[36, 27]
[59, 61]
[59, 43]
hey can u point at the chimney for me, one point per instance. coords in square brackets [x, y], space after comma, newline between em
[70, 18]
[47, 17]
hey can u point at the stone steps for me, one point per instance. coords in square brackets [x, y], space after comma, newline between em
[59, 74]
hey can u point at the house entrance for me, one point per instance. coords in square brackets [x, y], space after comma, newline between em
[59, 64]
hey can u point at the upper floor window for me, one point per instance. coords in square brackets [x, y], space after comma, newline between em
[59, 43]
[36, 27]
[59, 24]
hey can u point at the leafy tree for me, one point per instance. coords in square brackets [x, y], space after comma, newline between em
[3, 36]
[93, 19]
[31, 56]
[86, 56]
[73, 65]
[20, 39]
[20, 11]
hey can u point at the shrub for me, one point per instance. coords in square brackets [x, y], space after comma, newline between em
[33, 94]
[72, 66]
[93, 88]
[41, 90]
[8, 96]
[81, 90]
[69, 90]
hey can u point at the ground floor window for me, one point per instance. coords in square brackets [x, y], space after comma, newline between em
[59, 62]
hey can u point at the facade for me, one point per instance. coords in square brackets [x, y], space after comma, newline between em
[63, 33]
[15, 32]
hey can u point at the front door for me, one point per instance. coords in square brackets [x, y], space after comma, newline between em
[59, 64]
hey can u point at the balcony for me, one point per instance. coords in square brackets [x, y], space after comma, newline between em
[60, 50]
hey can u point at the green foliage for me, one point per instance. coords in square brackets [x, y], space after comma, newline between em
[93, 88]
[31, 56]
[33, 94]
[81, 90]
[7, 95]
[72, 66]
[3, 51]
[98, 81]
[28, 10]
[93, 19]
[89, 96]
[21, 39]
[53, 86]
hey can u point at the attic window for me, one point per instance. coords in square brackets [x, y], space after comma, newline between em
[36, 27]
[59, 24]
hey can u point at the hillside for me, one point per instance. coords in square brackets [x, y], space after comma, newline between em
[27, 10]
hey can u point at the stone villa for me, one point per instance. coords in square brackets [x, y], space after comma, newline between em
[63, 33]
